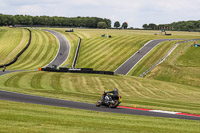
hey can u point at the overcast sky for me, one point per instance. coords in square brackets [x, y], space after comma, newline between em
[135, 12]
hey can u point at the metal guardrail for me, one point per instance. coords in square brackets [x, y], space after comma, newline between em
[161, 60]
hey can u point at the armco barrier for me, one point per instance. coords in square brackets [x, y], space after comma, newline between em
[77, 70]
[20, 53]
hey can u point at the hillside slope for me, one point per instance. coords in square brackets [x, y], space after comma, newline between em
[182, 66]
[42, 51]
[145, 93]
[12, 41]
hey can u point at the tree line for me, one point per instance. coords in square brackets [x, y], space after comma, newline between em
[88, 22]
[176, 26]
[118, 25]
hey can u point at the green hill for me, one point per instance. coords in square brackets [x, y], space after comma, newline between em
[42, 51]
[109, 53]
[23, 117]
[12, 41]
[172, 86]
[182, 68]
[144, 93]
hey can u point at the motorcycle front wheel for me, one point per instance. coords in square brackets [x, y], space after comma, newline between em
[115, 104]
[98, 104]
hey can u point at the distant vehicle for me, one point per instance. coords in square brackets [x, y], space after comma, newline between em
[71, 30]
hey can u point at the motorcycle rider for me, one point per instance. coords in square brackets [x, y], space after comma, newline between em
[114, 92]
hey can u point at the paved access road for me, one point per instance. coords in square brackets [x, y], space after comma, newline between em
[133, 60]
[64, 49]
[17, 97]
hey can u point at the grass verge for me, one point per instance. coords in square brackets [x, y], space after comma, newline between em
[22, 117]
[12, 41]
[152, 57]
[182, 66]
[88, 88]
[42, 50]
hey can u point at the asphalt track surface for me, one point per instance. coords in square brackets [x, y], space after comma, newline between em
[133, 60]
[64, 49]
[17, 97]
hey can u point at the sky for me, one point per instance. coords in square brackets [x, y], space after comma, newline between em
[135, 12]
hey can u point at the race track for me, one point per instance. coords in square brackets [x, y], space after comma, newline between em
[133, 60]
[123, 69]
[17, 97]
[64, 49]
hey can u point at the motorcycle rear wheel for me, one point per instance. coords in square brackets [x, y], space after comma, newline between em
[98, 104]
[115, 104]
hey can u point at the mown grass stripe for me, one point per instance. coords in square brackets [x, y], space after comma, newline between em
[55, 82]
[143, 92]
[12, 54]
[42, 49]
[40, 56]
[110, 53]
[111, 57]
[13, 81]
[22, 61]
[37, 52]
[46, 80]
[9, 40]
[99, 49]
[96, 47]
[132, 90]
[36, 81]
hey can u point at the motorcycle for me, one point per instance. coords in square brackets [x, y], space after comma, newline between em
[109, 101]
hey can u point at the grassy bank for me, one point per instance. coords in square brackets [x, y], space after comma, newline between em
[21, 117]
[152, 57]
[42, 51]
[104, 54]
[109, 53]
[12, 41]
[182, 66]
[144, 93]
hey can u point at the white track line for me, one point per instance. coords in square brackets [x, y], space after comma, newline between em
[166, 112]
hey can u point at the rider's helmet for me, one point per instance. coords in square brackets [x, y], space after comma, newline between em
[116, 89]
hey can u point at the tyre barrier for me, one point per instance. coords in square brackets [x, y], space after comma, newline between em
[76, 70]
[20, 53]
